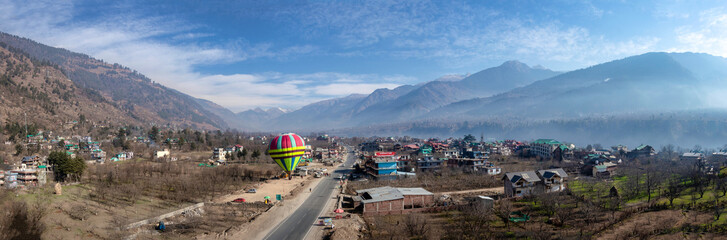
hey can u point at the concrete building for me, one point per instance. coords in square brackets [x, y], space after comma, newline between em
[219, 154]
[388, 200]
[546, 149]
[382, 165]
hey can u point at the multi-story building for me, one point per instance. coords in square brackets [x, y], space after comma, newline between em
[549, 149]
[382, 165]
[219, 154]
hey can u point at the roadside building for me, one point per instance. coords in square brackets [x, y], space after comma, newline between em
[388, 200]
[382, 165]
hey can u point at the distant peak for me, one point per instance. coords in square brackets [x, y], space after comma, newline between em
[515, 64]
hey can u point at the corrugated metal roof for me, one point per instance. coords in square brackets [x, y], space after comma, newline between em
[387, 193]
[414, 191]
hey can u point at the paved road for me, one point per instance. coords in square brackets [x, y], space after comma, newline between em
[296, 226]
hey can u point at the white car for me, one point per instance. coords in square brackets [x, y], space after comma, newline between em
[324, 169]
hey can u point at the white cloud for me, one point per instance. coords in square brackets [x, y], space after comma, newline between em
[130, 40]
[708, 34]
[244, 91]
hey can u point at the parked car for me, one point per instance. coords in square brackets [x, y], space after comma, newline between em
[252, 190]
[239, 200]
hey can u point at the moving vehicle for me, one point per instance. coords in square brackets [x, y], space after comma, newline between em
[252, 190]
[239, 200]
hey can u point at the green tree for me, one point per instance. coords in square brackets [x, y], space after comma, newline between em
[66, 168]
[18, 149]
[242, 154]
[469, 138]
[154, 133]
[255, 154]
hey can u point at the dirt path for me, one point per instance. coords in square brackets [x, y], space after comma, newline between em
[494, 190]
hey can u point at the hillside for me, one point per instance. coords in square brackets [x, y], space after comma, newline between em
[131, 92]
[40, 91]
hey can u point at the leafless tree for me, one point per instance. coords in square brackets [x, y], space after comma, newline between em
[673, 189]
[503, 208]
[652, 179]
[472, 223]
[20, 221]
[416, 226]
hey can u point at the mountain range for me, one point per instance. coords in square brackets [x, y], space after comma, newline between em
[673, 91]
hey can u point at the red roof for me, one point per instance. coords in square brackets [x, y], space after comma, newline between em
[385, 154]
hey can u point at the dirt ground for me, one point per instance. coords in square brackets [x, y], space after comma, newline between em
[271, 188]
[73, 216]
[645, 223]
[212, 219]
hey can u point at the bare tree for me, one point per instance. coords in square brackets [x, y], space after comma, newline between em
[473, 223]
[673, 189]
[503, 210]
[416, 226]
[720, 185]
[652, 179]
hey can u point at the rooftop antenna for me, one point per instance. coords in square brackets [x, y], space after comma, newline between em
[482, 136]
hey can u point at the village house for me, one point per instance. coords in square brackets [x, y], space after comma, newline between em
[554, 180]
[388, 200]
[162, 153]
[692, 157]
[604, 169]
[641, 152]
[520, 184]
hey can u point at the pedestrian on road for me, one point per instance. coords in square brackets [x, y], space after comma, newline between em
[310, 190]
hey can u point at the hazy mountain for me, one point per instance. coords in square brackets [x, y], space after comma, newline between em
[652, 82]
[127, 89]
[319, 115]
[406, 102]
[255, 119]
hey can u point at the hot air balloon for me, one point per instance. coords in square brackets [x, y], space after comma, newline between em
[287, 151]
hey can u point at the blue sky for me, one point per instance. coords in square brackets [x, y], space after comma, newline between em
[246, 54]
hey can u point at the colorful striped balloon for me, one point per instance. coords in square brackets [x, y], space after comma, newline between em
[287, 151]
